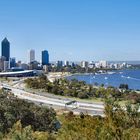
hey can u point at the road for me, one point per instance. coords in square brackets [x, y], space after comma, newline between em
[56, 102]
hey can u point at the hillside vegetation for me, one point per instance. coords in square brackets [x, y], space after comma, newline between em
[80, 89]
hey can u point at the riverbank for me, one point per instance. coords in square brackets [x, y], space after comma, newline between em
[110, 78]
[56, 75]
[129, 77]
[52, 76]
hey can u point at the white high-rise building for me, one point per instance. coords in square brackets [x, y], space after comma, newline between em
[117, 66]
[84, 64]
[66, 63]
[31, 55]
[103, 64]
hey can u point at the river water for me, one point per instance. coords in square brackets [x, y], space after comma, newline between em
[115, 78]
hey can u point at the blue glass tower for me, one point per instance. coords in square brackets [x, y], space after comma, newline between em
[45, 57]
[5, 49]
[12, 62]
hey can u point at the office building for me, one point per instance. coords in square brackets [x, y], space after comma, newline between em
[2, 59]
[103, 64]
[5, 49]
[117, 66]
[45, 57]
[31, 56]
[97, 65]
[12, 62]
[24, 66]
[91, 64]
[59, 63]
[34, 65]
[18, 64]
[6, 65]
[66, 63]
[111, 66]
[73, 64]
[84, 64]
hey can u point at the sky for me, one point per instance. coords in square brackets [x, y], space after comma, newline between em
[73, 30]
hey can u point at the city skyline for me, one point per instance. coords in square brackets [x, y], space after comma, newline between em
[8, 62]
[31, 56]
[73, 30]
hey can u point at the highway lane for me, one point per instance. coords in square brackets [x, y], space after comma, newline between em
[55, 102]
[59, 98]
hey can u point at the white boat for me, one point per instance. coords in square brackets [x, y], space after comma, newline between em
[106, 78]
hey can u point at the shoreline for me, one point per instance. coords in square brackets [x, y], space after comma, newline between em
[121, 72]
[57, 75]
[52, 76]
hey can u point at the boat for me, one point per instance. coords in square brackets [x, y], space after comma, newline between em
[106, 78]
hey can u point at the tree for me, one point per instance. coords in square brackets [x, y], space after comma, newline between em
[13, 109]
[117, 124]
[124, 86]
[19, 133]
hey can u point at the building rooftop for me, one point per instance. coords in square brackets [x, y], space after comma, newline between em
[5, 40]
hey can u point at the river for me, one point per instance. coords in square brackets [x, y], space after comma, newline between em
[115, 78]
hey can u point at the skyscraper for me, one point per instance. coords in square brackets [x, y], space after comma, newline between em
[12, 62]
[45, 57]
[5, 49]
[59, 63]
[31, 55]
[66, 63]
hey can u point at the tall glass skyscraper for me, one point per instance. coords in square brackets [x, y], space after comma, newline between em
[5, 49]
[12, 62]
[45, 57]
[32, 55]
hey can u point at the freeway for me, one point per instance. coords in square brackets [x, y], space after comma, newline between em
[57, 102]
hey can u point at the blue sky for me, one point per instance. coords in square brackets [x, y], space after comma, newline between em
[72, 29]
